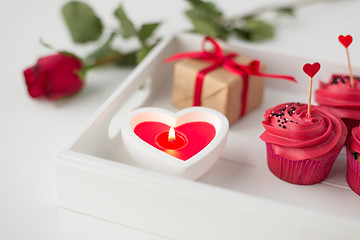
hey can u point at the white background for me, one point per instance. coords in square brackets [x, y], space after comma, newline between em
[33, 131]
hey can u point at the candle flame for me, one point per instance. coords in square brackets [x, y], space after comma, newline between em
[171, 136]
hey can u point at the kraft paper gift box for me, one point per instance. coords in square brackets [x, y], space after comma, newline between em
[222, 90]
[228, 82]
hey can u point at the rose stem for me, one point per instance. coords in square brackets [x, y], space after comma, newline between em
[352, 82]
[309, 105]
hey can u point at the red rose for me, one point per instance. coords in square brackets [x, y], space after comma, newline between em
[54, 76]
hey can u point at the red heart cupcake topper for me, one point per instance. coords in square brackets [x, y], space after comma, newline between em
[311, 69]
[345, 40]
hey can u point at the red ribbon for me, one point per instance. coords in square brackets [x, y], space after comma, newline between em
[218, 59]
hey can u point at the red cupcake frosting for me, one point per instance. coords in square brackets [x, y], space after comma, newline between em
[296, 136]
[339, 97]
[355, 143]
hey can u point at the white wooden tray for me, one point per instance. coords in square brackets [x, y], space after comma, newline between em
[237, 199]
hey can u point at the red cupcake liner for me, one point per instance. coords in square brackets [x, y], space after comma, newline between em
[303, 172]
[350, 124]
[352, 171]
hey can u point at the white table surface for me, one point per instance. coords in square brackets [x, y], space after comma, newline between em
[33, 131]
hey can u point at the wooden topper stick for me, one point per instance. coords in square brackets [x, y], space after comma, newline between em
[346, 41]
[309, 101]
[352, 82]
[311, 70]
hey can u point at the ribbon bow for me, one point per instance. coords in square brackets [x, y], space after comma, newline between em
[227, 61]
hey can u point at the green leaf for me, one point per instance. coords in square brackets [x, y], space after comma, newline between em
[83, 24]
[127, 27]
[223, 33]
[105, 50]
[286, 11]
[142, 52]
[242, 33]
[146, 31]
[201, 25]
[255, 30]
[208, 8]
[206, 19]
[199, 14]
[128, 60]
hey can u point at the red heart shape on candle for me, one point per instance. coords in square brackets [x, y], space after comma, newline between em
[311, 69]
[345, 40]
[197, 136]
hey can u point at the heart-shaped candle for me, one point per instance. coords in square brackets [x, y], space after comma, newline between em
[185, 144]
[185, 141]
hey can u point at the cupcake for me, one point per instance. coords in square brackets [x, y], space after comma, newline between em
[341, 99]
[301, 149]
[353, 160]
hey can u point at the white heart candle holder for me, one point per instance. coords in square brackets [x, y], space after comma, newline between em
[149, 157]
